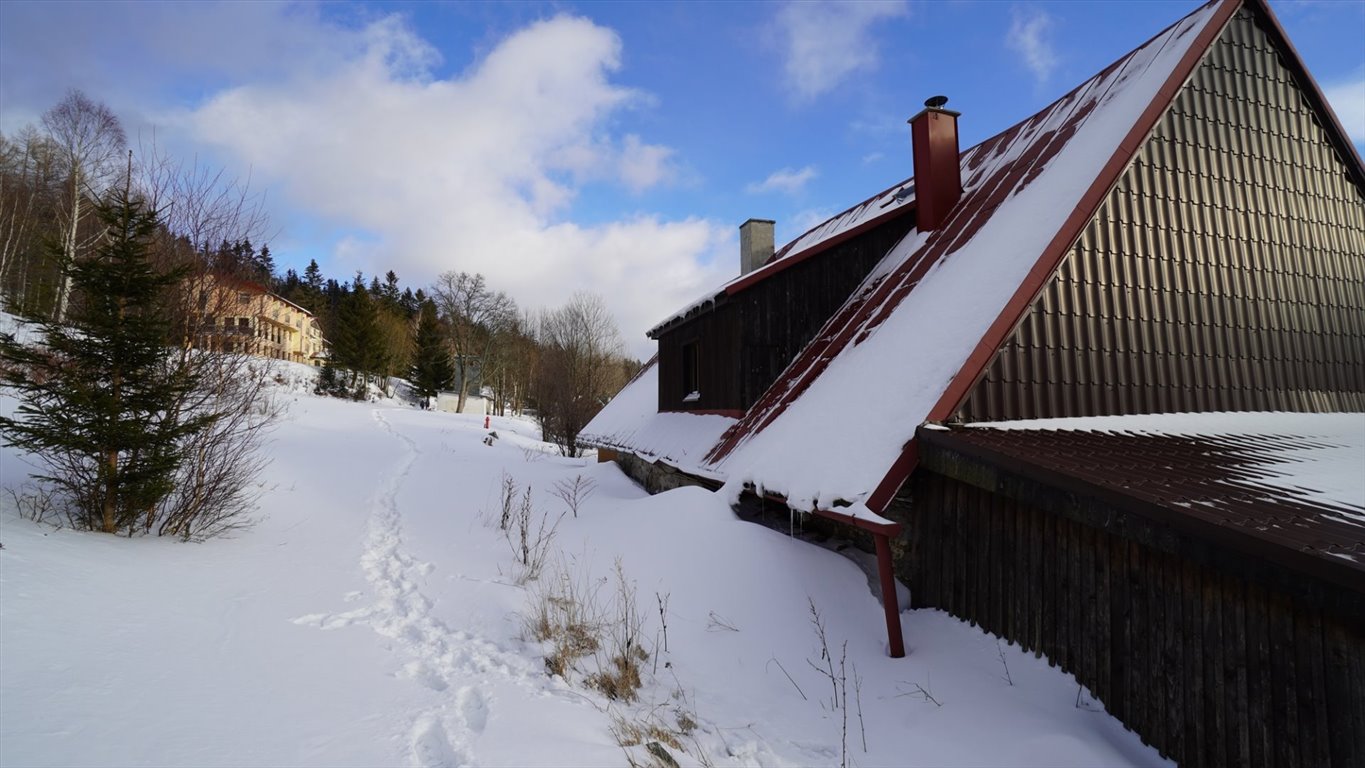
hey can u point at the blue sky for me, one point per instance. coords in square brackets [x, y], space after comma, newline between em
[555, 147]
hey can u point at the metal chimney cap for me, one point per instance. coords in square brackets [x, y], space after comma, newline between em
[936, 102]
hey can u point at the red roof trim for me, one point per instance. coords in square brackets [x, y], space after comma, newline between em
[1047, 264]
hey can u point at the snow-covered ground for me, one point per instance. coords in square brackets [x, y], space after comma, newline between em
[373, 616]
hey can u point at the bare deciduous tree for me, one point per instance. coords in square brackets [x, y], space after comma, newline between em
[28, 185]
[510, 364]
[475, 315]
[215, 485]
[90, 142]
[201, 205]
[578, 370]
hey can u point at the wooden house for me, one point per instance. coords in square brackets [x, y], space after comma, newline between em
[1096, 384]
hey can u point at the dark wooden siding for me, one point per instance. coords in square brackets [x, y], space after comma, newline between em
[779, 316]
[717, 342]
[1225, 271]
[749, 338]
[1210, 665]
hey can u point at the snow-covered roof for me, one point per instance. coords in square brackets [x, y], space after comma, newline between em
[905, 335]
[1290, 479]
[838, 425]
[631, 421]
[1324, 465]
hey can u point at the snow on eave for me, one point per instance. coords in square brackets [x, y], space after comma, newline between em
[1328, 473]
[631, 422]
[704, 304]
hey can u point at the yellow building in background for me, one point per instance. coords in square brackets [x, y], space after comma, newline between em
[236, 315]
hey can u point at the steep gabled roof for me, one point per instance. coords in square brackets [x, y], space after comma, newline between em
[904, 339]
[914, 337]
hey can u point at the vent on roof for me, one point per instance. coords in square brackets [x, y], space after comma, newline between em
[755, 244]
[938, 177]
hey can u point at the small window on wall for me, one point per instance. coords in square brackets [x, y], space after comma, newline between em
[691, 363]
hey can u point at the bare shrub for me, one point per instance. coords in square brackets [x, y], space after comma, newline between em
[37, 503]
[214, 488]
[508, 501]
[662, 601]
[825, 656]
[564, 612]
[917, 691]
[1000, 650]
[717, 623]
[790, 679]
[838, 681]
[574, 492]
[858, 698]
[647, 732]
[618, 670]
[529, 537]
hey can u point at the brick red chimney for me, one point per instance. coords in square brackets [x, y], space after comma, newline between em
[938, 175]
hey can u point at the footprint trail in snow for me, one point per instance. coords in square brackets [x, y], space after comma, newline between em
[438, 657]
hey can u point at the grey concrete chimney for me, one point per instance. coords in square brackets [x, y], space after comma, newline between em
[755, 244]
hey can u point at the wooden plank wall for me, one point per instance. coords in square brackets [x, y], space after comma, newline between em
[717, 340]
[748, 339]
[1209, 668]
[779, 316]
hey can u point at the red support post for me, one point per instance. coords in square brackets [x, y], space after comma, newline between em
[890, 605]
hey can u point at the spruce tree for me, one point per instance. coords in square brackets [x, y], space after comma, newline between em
[98, 397]
[312, 275]
[263, 265]
[356, 343]
[432, 369]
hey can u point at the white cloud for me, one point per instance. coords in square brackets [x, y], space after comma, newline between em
[1348, 101]
[1030, 37]
[786, 180]
[474, 172]
[645, 165]
[826, 42]
[46, 48]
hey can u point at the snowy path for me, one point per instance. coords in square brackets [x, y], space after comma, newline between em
[447, 661]
[368, 620]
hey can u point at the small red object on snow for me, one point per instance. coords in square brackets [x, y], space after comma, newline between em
[485, 422]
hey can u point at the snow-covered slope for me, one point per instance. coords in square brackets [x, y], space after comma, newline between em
[371, 617]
